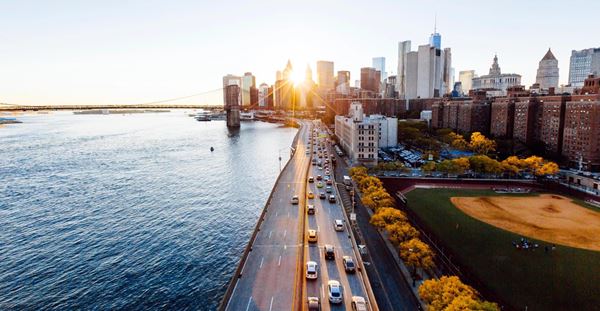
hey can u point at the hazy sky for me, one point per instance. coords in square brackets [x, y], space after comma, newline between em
[128, 52]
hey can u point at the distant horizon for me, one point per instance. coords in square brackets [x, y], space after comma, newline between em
[67, 52]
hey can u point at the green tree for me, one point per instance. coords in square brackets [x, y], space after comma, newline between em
[428, 167]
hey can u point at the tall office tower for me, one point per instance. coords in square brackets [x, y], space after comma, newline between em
[412, 73]
[430, 68]
[325, 75]
[547, 73]
[287, 72]
[248, 83]
[369, 79]
[582, 64]
[231, 80]
[263, 93]
[435, 39]
[403, 50]
[308, 73]
[466, 79]
[343, 82]
[448, 73]
[379, 64]
[284, 89]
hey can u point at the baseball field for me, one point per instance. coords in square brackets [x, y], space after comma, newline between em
[530, 250]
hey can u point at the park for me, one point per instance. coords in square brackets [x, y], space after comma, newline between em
[531, 251]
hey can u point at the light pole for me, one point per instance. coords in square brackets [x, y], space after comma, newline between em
[280, 158]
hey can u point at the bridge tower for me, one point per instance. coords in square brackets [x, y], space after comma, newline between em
[232, 105]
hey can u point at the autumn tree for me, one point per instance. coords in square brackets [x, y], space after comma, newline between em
[481, 144]
[387, 216]
[400, 232]
[533, 163]
[417, 254]
[548, 168]
[449, 293]
[358, 172]
[428, 167]
[369, 181]
[457, 141]
[377, 199]
[485, 164]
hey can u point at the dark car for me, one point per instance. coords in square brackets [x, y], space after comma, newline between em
[329, 252]
[322, 196]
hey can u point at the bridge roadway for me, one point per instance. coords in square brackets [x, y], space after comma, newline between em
[322, 221]
[270, 277]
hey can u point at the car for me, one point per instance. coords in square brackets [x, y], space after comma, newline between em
[338, 225]
[307, 152]
[311, 270]
[310, 209]
[322, 195]
[311, 195]
[359, 303]
[327, 171]
[311, 179]
[295, 200]
[329, 252]
[320, 184]
[328, 189]
[332, 198]
[348, 264]
[329, 182]
[334, 291]
[319, 177]
[312, 236]
[314, 304]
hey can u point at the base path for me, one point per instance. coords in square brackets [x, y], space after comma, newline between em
[551, 218]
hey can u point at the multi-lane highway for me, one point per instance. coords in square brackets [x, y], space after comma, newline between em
[323, 222]
[270, 274]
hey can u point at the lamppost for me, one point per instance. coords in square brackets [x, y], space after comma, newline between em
[280, 157]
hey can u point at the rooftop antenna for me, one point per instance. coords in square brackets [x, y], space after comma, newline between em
[435, 23]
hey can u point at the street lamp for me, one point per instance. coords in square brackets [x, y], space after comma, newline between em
[280, 157]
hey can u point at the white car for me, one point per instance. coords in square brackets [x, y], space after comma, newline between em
[359, 303]
[295, 200]
[311, 270]
[338, 224]
[334, 291]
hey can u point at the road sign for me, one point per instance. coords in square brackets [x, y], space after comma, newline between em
[352, 216]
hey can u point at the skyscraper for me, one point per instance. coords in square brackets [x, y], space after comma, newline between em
[379, 64]
[325, 75]
[248, 83]
[370, 79]
[466, 79]
[263, 93]
[403, 50]
[435, 39]
[547, 73]
[582, 64]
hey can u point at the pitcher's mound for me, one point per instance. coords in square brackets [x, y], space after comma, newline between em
[550, 218]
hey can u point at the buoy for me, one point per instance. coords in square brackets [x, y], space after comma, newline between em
[212, 149]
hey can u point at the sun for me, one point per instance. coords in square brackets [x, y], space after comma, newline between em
[297, 77]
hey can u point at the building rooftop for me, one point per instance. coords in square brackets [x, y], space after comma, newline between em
[549, 55]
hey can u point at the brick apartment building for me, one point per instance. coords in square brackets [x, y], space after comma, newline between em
[581, 138]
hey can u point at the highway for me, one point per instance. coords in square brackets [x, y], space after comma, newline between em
[323, 222]
[270, 277]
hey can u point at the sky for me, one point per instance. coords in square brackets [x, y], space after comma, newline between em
[135, 52]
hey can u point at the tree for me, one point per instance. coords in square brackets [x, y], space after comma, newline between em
[485, 164]
[533, 163]
[510, 169]
[369, 181]
[461, 165]
[481, 144]
[515, 161]
[387, 216]
[358, 172]
[428, 167]
[400, 232]
[417, 254]
[449, 293]
[548, 168]
[377, 199]
[457, 141]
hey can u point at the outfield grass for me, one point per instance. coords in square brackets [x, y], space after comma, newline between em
[566, 279]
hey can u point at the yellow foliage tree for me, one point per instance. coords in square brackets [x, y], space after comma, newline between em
[457, 141]
[450, 294]
[533, 163]
[400, 232]
[358, 170]
[548, 168]
[417, 254]
[515, 161]
[370, 181]
[377, 199]
[428, 167]
[386, 216]
[481, 144]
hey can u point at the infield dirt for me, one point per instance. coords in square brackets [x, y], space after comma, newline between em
[551, 218]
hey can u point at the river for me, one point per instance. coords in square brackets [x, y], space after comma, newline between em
[114, 212]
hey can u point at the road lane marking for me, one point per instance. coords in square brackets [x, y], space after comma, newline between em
[284, 246]
[284, 233]
[276, 214]
[279, 263]
[249, 301]
[261, 261]
[271, 305]
[270, 233]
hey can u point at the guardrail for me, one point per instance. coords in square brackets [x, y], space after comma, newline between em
[248, 249]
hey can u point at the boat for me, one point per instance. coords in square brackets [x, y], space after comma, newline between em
[203, 115]
[247, 116]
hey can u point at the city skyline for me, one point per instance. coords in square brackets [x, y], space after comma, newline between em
[114, 53]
